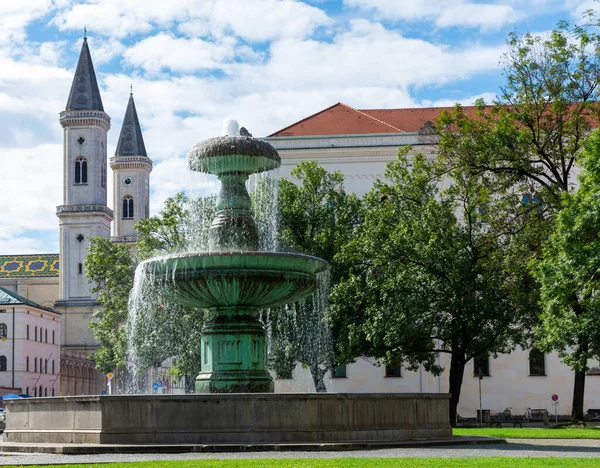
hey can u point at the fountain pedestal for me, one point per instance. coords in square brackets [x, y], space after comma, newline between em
[234, 356]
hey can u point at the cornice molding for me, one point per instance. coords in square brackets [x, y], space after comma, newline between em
[85, 118]
[66, 210]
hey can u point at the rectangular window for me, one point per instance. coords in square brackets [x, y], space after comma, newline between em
[481, 366]
[339, 372]
[394, 370]
[80, 268]
[537, 364]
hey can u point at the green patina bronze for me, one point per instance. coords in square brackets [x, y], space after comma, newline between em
[234, 280]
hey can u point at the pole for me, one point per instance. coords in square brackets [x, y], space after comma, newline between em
[13, 350]
[480, 405]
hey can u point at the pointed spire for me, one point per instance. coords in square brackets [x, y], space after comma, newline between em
[131, 142]
[84, 94]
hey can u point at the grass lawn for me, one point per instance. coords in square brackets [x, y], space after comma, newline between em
[360, 463]
[591, 432]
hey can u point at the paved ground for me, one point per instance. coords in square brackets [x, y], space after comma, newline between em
[515, 448]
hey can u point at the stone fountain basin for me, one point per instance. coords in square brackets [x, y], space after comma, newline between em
[232, 279]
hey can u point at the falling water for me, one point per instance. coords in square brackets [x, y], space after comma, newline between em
[299, 333]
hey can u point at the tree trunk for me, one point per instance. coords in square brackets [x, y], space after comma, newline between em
[457, 369]
[317, 374]
[578, 393]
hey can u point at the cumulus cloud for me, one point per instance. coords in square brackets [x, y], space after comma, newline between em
[255, 20]
[371, 55]
[445, 13]
[31, 181]
[163, 51]
[15, 16]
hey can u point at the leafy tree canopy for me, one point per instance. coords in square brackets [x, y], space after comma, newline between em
[432, 272]
[569, 270]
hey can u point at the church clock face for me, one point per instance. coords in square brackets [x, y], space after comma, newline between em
[127, 181]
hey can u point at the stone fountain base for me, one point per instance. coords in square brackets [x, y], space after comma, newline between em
[228, 419]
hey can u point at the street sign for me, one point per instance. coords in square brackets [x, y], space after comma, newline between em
[110, 375]
[555, 397]
[155, 386]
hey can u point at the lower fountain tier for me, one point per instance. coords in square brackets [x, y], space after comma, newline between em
[228, 279]
[228, 419]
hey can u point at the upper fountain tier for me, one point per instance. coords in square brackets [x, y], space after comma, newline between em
[233, 155]
[232, 159]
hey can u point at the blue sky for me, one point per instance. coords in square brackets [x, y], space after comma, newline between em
[267, 63]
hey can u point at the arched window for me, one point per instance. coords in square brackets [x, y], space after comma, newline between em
[27, 364]
[2, 363]
[46, 391]
[45, 366]
[27, 391]
[81, 173]
[53, 367]
[53, 337]
[27, 331]
[103, 175]
[35, 334]
[3, 331]
[34, 364]
[34, 391]
[537, 363]
[52, 392]
[128, 207]
[46, 335]
[40, 392]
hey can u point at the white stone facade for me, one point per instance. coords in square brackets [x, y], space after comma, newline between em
[131, 178]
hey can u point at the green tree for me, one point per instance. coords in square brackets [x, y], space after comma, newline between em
[529, 142]
[569, 274]
[431, 273]
[317, 218]
[531, 138]
[110, 268]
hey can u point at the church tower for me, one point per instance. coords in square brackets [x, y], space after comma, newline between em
[84, 212]
[131, 175]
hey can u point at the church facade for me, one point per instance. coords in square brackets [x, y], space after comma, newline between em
[59, 281]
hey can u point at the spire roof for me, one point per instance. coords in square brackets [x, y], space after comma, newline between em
[84, 94]
[131, 142]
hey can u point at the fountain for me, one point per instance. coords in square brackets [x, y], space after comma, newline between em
[233, 280]
[234, 402]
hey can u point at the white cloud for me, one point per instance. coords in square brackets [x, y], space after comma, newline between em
[445, 13]
[15, 16]
[254, 20]
[369, 55]
[163, 51]
[486, 16]
[31, 181]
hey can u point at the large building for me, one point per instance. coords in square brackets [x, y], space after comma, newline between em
[57, 283]
[359, 143]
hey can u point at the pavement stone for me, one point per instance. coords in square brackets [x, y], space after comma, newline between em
[514, 448]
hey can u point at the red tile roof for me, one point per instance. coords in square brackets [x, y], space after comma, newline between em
[341, 119]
